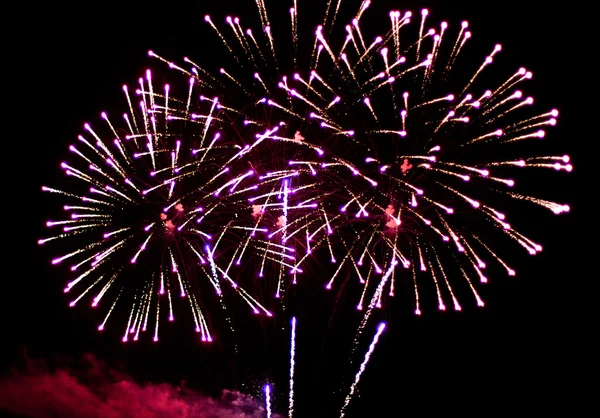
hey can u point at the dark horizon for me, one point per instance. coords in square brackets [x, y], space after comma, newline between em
[510, 355]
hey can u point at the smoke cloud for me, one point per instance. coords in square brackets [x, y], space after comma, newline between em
[95, 390]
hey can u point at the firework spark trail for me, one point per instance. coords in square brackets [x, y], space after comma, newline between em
[292, 367]
[268, 400]
[362, 368]
[374, 303]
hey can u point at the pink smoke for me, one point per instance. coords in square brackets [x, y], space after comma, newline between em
[98, 391]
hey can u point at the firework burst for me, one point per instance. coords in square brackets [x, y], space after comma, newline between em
[425, 145]
[393, 155]
[183, 192]
[363, 151]
[421, 142]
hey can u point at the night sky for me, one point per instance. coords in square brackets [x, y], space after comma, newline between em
[510, 356]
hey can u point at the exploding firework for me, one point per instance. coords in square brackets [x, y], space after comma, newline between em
[382, 153]
[424, 144]
[393, 155]
[421, 141]
[163, 207]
